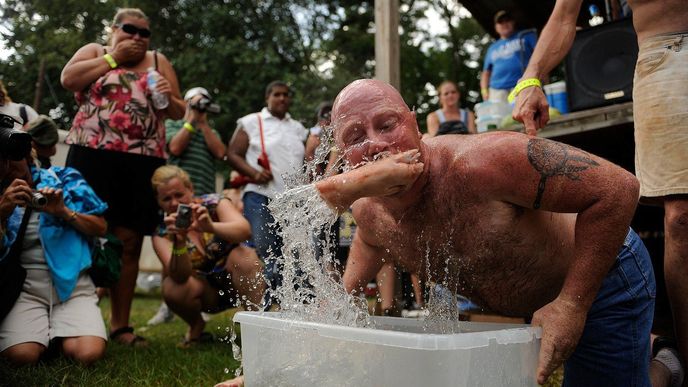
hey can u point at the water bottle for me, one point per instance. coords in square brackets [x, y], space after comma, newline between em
[160, 100]
[595, 16]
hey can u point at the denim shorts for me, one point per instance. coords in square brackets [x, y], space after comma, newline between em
[266, 236]
[614, 349]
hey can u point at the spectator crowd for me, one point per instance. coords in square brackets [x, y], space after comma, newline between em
[142, 162]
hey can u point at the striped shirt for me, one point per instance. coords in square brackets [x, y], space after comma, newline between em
[196, 160]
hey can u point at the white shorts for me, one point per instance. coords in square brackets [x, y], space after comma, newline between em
[39, 316]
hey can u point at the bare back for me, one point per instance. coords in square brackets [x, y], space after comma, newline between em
[656, 17]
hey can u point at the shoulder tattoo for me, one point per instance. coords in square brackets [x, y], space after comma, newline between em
[552, 158]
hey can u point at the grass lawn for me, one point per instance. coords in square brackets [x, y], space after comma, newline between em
[161, 364]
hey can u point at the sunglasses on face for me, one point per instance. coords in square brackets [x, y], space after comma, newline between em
[133, 30]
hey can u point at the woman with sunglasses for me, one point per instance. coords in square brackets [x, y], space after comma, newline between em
[118, 139]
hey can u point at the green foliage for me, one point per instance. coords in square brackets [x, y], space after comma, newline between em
[235, 48]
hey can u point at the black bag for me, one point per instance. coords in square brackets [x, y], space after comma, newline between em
[106, 261]
[12, 273]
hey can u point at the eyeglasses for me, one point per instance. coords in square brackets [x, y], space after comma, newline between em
[133, 30]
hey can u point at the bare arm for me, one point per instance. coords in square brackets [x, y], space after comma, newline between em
[175, 110]
[236, 156]
[433, 124]
[364, 261]
[555, 41]
[385, 177]
[231, 225]
[84, 67]
[471, 123]
[312, 144]
[90, 225]
[163, 249]
[485, 84]
[546, 175]
[214, 142]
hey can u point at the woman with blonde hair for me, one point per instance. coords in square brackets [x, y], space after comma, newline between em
[450, 118]
[118, 139]
[207, 267]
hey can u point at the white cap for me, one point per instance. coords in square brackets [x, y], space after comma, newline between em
[194, 91]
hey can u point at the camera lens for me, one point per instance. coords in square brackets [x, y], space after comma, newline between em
[14, 144]
[38, 200]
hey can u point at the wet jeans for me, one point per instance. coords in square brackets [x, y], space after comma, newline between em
[615, 347]
[266, 236]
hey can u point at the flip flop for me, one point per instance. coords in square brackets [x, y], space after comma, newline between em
[137, 341]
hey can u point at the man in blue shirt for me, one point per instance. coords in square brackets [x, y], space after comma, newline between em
[506, 59]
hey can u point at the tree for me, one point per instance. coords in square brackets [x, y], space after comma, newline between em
[235, 48]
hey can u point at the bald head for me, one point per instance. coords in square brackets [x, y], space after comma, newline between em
[365, 91]
[370, 117]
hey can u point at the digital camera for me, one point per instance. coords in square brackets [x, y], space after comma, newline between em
[183, 216]
[14, 144]
[205, 104]
[38, 200]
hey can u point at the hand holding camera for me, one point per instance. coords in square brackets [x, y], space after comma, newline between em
[18, 193]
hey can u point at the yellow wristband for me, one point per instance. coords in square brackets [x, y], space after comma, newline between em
[110, 60]
[530, 82]
[180, 251]
[189, 127]
[484, 91]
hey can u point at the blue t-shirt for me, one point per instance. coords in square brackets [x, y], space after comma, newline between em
[508, 58]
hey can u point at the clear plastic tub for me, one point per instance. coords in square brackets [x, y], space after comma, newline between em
[282, 352]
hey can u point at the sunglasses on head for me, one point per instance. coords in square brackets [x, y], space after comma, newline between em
[133, 30]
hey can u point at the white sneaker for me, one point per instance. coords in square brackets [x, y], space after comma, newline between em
[164, 315]
[206, 316]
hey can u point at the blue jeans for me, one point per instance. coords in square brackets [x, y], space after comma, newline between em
[266, 235]
[615, 347]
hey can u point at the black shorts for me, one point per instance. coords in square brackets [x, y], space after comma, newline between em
[122, 180]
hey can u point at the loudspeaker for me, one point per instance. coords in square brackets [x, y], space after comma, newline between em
[600, 65]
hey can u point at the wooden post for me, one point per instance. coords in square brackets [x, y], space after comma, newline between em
[387, 42]
[38, 93]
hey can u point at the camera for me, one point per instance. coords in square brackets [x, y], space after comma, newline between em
[38, 200]
[183, 216]
[14, 144]
[205, 104]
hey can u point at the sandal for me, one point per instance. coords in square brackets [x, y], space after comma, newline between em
[203, 338]
[137, 341]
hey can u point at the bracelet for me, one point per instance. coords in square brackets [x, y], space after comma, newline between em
[110, 60]
[179, 251]
[189, 127]
[530, 82]
[484, 91]
[72, 217]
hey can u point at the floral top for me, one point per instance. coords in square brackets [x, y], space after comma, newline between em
[212, 257]
[116, 113]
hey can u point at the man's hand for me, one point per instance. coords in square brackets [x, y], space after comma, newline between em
[384, 177]
[562, 325]
[262, 177]
[129, 51]
[532, 109]
[387, 176]
[17, 194]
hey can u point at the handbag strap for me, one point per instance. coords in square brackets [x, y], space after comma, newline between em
[15, 250]
[260, 127]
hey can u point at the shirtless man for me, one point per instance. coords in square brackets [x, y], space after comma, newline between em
[660, 100]
[523, 226]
